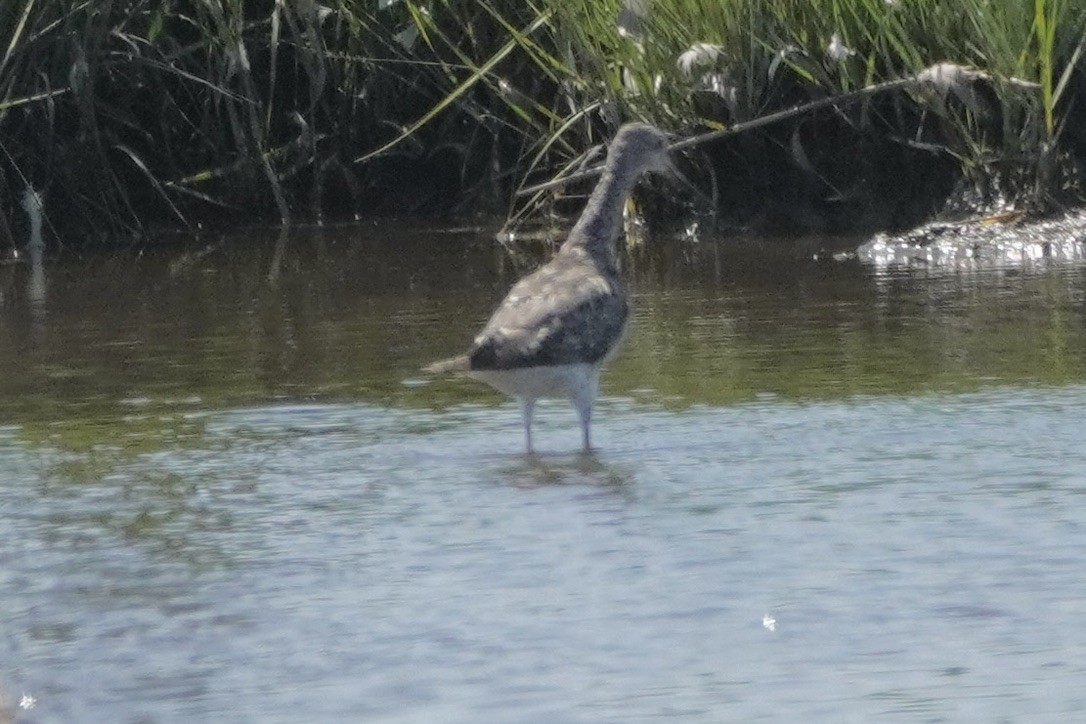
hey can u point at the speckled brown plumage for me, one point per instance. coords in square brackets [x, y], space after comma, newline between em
[556, 328]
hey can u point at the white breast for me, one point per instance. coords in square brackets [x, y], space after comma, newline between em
[571, 380]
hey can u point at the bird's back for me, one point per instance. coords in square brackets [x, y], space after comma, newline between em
[567, 312]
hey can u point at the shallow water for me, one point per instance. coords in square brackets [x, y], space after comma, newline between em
[823, 492]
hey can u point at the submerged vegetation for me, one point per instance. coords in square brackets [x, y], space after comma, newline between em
[129, 114]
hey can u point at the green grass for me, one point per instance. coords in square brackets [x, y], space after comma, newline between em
[1000, 131]
[136, 114]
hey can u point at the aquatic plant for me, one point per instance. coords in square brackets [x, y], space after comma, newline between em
[997, 115]
[177, 111]
[132, 113]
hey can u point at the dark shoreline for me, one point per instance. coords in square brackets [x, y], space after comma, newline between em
[176, 115]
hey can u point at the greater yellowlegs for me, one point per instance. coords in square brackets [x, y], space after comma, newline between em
[558, 326]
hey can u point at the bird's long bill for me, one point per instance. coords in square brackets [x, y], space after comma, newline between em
[670, 170]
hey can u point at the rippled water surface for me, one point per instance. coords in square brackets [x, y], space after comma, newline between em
[822, 493]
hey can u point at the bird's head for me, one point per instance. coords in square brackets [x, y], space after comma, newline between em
[643, 147]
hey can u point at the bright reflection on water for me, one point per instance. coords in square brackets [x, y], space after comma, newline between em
[226, 494]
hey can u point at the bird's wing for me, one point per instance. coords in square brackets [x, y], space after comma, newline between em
[563, 313]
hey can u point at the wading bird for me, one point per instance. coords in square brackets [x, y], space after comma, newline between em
[557, 327]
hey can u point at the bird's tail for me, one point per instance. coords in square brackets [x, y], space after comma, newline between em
[454, 364]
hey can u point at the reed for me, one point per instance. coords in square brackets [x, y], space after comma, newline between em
[131, 114]
[1001, 128]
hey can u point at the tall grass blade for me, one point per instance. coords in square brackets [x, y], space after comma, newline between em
[476, 75]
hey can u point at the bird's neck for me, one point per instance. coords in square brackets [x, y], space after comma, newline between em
[601, 219]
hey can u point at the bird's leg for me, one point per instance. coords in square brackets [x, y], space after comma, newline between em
[527, 407]
[583, 396]
[586, 420]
